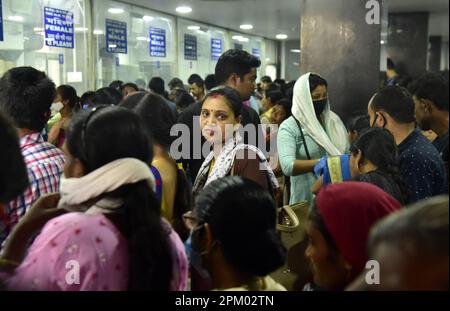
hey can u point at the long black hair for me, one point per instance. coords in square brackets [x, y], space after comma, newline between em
[107, 134]
[242, 216]
[378, 146]
[155, 113]
[158, 120]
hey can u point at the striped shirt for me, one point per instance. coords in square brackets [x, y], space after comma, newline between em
[44, 166]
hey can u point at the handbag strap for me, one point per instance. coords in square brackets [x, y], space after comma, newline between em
[303, 138]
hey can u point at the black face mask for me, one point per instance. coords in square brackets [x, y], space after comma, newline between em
[319, 106]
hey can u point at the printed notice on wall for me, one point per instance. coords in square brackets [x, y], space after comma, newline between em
[116, 36]
[157, 42]
[216, 48]
[256, 53]
[58, 28]
[190, 47]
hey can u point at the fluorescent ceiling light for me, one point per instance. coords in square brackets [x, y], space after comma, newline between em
[267, 59]
[183, 9]
[382, 42]
[112, 46]
[194, 27]
[97, 32]
[15, 18]
[237, 37]
[243, 39]
[295, 51]
[115, 10]
[38, 29]
[147, 18]
[141, 38]
[281, 36]
[81, 29]
[246, 26]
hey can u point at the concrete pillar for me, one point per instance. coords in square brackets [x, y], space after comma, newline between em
[434, 53]
[338, 43]
[408, 42]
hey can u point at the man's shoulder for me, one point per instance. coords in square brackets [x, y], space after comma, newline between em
[42, 153]
[420, 154]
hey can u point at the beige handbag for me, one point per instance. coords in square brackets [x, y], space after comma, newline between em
[292, 228]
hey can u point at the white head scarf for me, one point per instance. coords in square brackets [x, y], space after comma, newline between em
[333, 138]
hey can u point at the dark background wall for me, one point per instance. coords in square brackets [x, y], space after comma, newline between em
[408, 42]
[337, 43]
[434, 53]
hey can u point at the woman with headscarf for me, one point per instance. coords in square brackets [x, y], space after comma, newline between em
[338, 226]
[313, 131]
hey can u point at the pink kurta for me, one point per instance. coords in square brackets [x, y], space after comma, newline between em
[90, 244]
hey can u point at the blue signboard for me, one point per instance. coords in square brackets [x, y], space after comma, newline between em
[116, 36]
[1, 21]
[58, 28]
[190, 47]
[61, 58]
[216, 48]
[256, 52]
[238, 46]
[157, 42]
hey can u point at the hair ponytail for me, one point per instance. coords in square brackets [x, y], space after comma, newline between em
[394, 172]
[149, 244]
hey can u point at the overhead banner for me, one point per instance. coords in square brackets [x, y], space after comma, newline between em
[216, 48]
[157, 42]
[58, 28]
[190, 47]
[116, 36]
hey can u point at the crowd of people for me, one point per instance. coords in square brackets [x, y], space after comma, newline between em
[92, 182]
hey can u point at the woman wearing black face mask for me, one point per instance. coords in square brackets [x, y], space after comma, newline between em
[312, 132]
[234, 243]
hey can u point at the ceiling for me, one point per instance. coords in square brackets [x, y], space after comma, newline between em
[269, 17]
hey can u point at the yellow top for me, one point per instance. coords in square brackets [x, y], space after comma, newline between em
[265, 117]
[167, 168]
